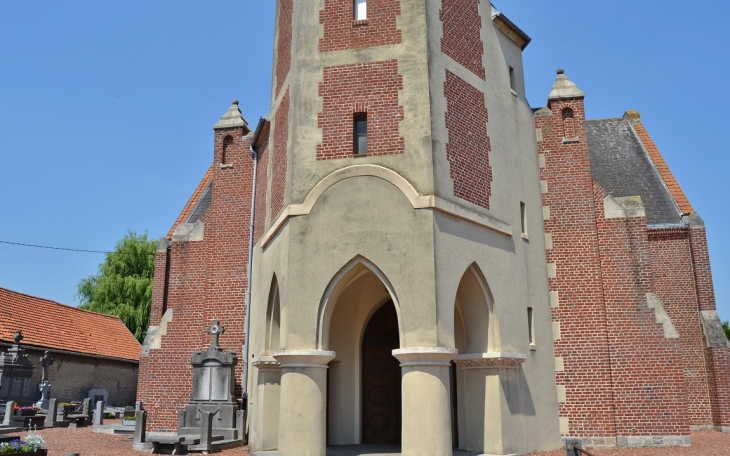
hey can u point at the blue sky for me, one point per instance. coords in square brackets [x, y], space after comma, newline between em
[106, 109]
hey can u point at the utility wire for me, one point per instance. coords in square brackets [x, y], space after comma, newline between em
[52, 248]
[65, 249]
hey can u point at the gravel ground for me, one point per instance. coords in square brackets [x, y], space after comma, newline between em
[709, 443]
[60, 441]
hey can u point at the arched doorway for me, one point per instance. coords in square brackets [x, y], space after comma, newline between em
[381, 378]
[353, 298]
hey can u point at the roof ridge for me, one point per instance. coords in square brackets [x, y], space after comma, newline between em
[605, 118]
[60, 304]
[664, 172]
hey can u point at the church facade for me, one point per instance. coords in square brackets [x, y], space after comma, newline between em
[405, 252]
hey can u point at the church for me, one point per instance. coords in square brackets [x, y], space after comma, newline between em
[405, 252]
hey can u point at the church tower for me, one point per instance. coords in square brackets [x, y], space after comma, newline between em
[399, 282]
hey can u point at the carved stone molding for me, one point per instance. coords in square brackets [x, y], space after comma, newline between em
[491, 360]
[266, 363]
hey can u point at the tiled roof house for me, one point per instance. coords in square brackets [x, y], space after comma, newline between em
[90, 350]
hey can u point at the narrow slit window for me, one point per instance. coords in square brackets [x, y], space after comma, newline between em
[361, 10]
[530, 326]
[361, 133]
[568, 123]
[512, 83]
[523, 218]
[227, 144]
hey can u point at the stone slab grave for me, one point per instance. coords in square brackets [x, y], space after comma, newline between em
[213, 420]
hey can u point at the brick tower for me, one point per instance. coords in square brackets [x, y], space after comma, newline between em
[401, 170]
[200, 275]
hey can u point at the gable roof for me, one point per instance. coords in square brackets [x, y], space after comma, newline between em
[661, 165]
[48, 324]
[620, 164]
[192, 204]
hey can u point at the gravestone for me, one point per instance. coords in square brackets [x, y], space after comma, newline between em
[16, 374]
[213, 393]
[45, 385]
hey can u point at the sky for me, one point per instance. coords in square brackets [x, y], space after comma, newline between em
[107, 108]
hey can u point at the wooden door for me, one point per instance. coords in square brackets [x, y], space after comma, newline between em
[381, 378]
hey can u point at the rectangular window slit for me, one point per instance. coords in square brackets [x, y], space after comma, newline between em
[360, 133]
[361, 10]
[523, 218]
[512, 83]
[530, 326]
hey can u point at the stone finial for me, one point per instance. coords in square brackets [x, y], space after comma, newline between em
[17, 337]
[564, 88]
[232, 119]
[633, 116]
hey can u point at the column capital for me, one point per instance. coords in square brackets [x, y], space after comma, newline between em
[490, 360]
[425, 356]
[267, 363]
[304, 358]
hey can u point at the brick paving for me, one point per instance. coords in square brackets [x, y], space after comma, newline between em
[60, 441]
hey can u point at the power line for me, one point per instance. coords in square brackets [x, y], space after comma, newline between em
[52, 248]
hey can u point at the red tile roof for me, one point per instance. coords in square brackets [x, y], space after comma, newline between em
[48, 324]
[674, 189]
[190, 206]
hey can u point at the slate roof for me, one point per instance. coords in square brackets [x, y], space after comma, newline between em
[48, 324]
[192, 203]
[620, 164]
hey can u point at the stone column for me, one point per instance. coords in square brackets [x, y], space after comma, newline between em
[426, 422]
[303, 412]
[264, 432]
[487, 429]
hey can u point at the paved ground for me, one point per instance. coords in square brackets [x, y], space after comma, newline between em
[60, 441]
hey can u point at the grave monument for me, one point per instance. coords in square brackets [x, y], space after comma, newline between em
[16, 374]
[45, 385]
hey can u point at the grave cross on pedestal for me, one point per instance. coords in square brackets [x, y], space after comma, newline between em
[215, 331]
[46, 361]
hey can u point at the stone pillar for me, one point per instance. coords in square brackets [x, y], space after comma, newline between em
[303, 412]
[264, 432]
[51, 414]
[426, 422]
[9, 406]
[486, 426]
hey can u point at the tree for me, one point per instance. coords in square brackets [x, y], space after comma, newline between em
[726, 328]
[123, 285]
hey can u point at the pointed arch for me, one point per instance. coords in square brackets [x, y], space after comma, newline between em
[474, 311]
[273, 319]
[568, 123]
[353, 270]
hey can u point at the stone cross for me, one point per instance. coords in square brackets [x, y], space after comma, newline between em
[215, 331]
[46, 361]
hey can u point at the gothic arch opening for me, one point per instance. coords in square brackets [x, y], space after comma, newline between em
[568, 123]
[475, 332]
[360, 322]
[273, 319]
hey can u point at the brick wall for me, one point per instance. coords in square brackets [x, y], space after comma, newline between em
[158, 288]
[262, 189]
[279, 156]
[207, 280]
[283, 42]
[371, 88]
[576, 286]
[468, 146]
[717, 358]
[649, 391]
[462, 26]
[341, 31]
[673, 279]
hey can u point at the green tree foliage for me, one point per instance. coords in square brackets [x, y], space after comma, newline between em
[123, 285]
[726, 328]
